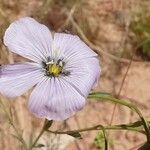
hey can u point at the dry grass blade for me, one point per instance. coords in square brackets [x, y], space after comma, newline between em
[96, 48]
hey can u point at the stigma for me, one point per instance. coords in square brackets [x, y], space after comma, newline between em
[54, 68]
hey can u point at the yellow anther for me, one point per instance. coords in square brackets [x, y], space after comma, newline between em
[54, 69]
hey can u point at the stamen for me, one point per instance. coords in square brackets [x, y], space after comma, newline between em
[54, 68]
[50, 62]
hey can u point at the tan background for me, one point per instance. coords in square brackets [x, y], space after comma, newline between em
[106, 24]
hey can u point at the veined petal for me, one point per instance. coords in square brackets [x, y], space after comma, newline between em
[71, 47]
[29, 39]
[55, 99]
[83, 74]
[16, 79]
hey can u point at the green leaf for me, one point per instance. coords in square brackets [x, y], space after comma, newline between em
[146, 146]
[102, 94]
[134, 124]
[75, 134]
[146, 49]
[108, 97]
[100, 141]
[48, 124]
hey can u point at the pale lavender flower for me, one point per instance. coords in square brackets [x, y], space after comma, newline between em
[63, 68]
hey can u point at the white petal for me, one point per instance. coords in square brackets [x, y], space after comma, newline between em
[83, 74]
[79, 60]
[71, 47]
[16, 79]
[55, 99]
[29, 39]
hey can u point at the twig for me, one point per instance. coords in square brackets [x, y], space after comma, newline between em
[96, 48]
[126, 73]
[127, 104]
[19, 136]
[122, 83]
[123, 45]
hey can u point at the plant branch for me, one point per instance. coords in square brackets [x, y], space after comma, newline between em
[40, 134]
[127, 104]
[99, 127]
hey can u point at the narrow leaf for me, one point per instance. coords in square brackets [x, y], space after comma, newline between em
[75, 134]
[132, 125]
[48, 124]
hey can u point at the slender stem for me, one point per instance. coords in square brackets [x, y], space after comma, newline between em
[129, 105]
[40, 134]
[42, 131]
[105, 138]
[19, 137]
[145, 124]
[98, 127]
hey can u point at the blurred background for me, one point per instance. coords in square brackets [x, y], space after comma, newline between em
[119, 31]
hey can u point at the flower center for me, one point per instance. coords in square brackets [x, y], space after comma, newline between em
[54, 68]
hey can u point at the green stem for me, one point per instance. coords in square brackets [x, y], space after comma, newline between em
[98, 127]
[145, 124]
[105, 137]
[40, 134]
[127, 104]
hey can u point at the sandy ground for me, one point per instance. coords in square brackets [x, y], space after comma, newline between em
[107, 25]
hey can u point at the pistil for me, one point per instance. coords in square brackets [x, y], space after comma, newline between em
[54, 68]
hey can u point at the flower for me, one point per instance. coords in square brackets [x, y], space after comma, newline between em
[63, 68]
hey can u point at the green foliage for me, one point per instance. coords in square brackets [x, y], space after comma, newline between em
[102, 94]
[141, 28]
[124, 102]
[75, 134]
[100, 141]
[146, 146]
